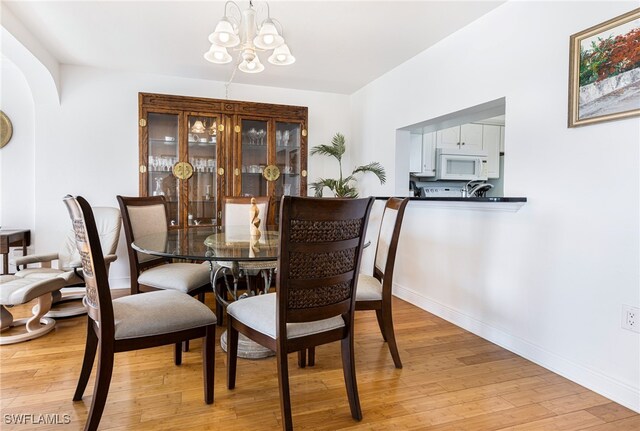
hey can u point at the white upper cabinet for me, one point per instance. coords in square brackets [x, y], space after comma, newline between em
[422, 155]
[467, 136]
[448, 138]
[491, 144]
[471, 136]
[429, 154]
[415, 153]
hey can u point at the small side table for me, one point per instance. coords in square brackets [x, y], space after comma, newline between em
[13, 238]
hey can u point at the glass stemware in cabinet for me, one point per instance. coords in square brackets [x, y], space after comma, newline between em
[202, 156]
[158, 190]
[163, 153]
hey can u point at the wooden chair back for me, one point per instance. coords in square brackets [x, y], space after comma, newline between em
[142, 216]
[236, 210]
[388, 241]
[320, 250]
[98, 298]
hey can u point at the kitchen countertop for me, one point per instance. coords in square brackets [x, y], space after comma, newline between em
[493, 204]
[461, 199]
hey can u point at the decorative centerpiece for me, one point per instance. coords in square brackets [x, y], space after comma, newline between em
[254, 226]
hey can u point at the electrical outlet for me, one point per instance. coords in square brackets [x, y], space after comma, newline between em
[631, 318]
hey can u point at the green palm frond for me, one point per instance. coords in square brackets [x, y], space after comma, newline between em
[342, 187]
[319, 185]
[336, 149]
[375, 168]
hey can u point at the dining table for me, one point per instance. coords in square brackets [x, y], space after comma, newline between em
[232, 253]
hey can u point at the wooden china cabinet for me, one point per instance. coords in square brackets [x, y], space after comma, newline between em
[196, 151]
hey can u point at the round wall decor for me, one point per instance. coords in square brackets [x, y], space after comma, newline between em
[6, 129]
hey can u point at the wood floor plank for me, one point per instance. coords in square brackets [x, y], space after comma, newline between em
[451, 380]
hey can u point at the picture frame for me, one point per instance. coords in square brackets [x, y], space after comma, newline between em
[604, 71]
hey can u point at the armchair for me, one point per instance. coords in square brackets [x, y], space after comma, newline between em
[108, 222]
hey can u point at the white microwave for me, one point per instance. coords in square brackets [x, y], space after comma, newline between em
[467, 165]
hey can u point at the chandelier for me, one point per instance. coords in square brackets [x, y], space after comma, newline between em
[247, 36]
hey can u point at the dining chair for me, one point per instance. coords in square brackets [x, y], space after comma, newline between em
[67, 302]
[319, 257]
[145, 216]
[132, 322]
[236, 212]
[375, 291]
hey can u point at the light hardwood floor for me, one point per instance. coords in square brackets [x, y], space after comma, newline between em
[451, 380]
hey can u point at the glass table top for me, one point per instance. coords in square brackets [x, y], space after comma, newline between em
[224, 243]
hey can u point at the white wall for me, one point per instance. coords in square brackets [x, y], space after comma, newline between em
[549, 281]
[17, 186]
[89, 144]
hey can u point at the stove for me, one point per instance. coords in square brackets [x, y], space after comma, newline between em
[440, 192]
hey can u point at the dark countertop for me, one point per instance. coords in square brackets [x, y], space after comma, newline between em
[461, 199]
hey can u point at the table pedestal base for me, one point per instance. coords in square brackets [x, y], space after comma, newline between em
[247, 348]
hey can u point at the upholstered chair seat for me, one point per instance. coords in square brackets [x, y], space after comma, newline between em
[16, 291]
[157, 313]
[183, 277]
[259, 312]
[369, 288]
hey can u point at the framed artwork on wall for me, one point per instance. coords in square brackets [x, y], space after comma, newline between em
[604, 71]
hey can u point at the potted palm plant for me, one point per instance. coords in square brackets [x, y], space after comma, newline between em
[343, 187]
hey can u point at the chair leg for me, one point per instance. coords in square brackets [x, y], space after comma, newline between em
[219, 308]
[232, 353]
[208, 363]
[390, 337]
[185, 346]
[283, 382]
[87, 363]
[302, 358]
[101, 389]
[381, 324]
[177, 354]
[312, 356]
[349, 369]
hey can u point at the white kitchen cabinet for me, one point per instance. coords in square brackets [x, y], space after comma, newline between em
[415, 153]
[491, 144]
[422, 155]
[466, 137]
[429, 154]
[448, 138]
[471, 136]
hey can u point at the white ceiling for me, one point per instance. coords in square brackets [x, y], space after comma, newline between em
[339, 46]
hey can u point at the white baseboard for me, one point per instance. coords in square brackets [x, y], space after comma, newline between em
[606, 386]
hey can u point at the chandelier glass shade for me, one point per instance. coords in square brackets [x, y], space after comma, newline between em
[248, 37]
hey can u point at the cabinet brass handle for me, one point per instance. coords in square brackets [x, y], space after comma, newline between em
[303, 173]
[237, 129]
[236, 172]
[143, 169]
[271, 173]
[220, 171]
[304, 132]
[142, 122]
[183, 170]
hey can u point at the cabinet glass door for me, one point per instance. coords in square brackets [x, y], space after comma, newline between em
[163, 154]
[288, 153]
[202, 143]
[254, 157]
